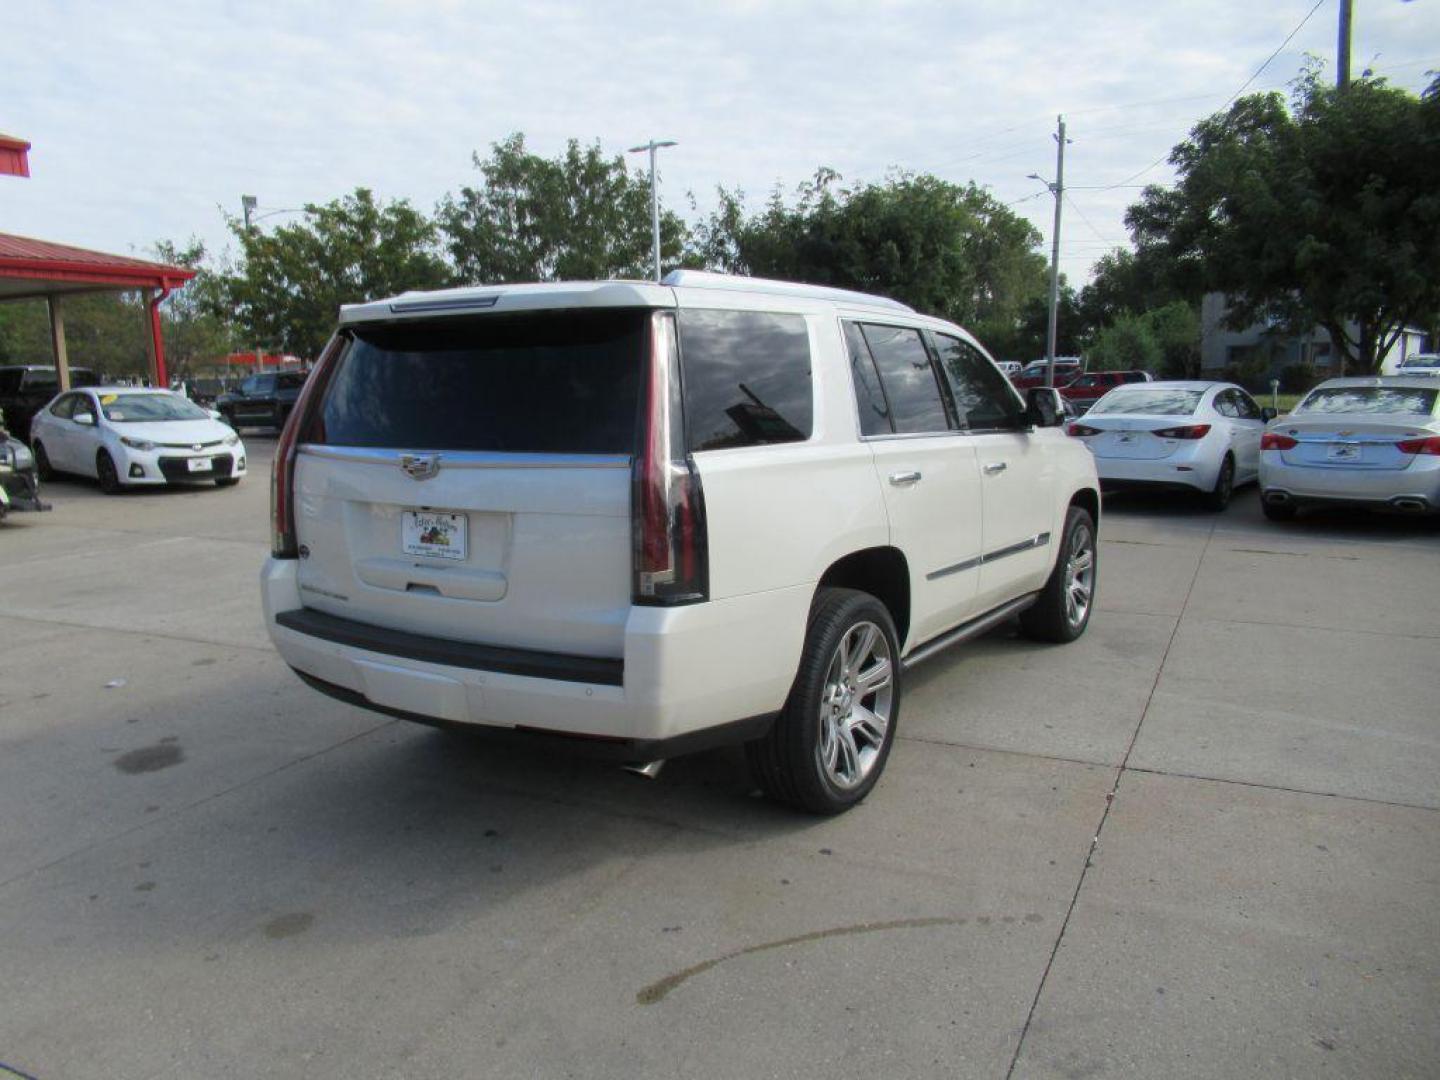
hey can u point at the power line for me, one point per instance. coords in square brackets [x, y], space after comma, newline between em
[1288, 38]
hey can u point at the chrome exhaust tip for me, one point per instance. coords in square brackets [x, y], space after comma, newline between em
[1277, 498]
[1410, 506]
[648, 769]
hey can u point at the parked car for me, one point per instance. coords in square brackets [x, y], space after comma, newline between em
[133, 437]
[1368, 442]
[1420, 364]
[1067, 368]
[26, 388]
[1181, 436]
[19, 484]
[263, 400]
[1009, 368]
[837, 489]
[1086, 389]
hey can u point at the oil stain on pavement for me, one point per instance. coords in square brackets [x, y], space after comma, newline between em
[162, 755]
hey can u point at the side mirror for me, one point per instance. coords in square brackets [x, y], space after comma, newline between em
[85, 418]
[1267, 414]
[1044, 407]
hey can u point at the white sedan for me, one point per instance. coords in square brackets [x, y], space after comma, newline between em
[1180, 436]
[134, 436]
[1366, 442]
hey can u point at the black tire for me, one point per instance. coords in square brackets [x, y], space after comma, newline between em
[1219, 497]
[1053, 617]
[105, 471]
[789, 763]
[226, 481]
[43, 468]
[1277, 511]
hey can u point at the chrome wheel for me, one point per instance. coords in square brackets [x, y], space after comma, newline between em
[1079, 575]
[856, 706]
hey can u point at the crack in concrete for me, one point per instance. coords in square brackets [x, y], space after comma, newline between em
[1105, 814]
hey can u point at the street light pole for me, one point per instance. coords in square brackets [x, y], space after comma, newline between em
[651, 147]
[1058, 190]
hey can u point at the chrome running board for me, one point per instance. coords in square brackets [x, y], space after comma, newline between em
[968, 630]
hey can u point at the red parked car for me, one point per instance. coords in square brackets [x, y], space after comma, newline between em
[1033, 374]
[1084, 390]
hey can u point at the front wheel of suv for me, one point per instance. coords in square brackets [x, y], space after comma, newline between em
[1063, 609]
[829, 745]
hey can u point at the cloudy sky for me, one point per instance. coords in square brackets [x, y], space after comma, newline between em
[150, 120]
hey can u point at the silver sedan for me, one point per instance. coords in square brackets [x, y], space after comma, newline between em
[1372, 442]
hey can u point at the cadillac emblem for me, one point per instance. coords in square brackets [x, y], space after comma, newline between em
[420, 466]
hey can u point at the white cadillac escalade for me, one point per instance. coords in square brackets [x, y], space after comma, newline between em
[662, 517]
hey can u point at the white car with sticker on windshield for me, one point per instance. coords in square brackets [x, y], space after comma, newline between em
[133, 437]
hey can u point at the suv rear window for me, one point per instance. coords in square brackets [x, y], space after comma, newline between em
[561, 382]
[747, 378]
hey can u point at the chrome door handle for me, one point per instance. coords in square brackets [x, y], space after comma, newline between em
[902, 479]
[994, 468]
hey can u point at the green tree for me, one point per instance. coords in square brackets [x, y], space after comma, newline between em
[577, 217]
[945, 249]
[1326, 212]
[105, 332]
[1165, 341]
[291, 281]
[195, 318]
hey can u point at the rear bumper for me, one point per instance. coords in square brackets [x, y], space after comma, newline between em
[690, 676]
[1183, 470]
[1413, 489]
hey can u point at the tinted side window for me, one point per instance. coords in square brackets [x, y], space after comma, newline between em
[908, 377]
[64, 407]
[84, 406]
[291, 380]
[250, 385]
[983, 397]
[41, 382]
[1225, 404]
[747, 378]
[869, 395]
[1245, 406]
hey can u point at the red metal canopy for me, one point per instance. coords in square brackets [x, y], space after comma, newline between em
[13, 160]
[41, 268]
[38, 268]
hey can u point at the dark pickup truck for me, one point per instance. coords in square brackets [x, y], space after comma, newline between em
[25, 389]
[263, 400]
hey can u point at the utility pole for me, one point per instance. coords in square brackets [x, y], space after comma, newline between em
[1342, 49]
[1058, 190]
[248, 203]
[652, 146]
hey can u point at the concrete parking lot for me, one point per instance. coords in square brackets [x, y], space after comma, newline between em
[1202, 841]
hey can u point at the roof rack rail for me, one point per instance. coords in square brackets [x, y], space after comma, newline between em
[704, 279]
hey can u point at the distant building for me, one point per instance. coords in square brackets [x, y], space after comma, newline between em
[1221, 347]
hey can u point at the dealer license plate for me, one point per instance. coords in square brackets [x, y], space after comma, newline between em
[441, 536]
[198, 464]
[1344, 451]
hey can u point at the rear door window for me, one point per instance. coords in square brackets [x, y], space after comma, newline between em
[869, 394]
[908, 377]
[560, 382]
[746, 378]
[984, 398]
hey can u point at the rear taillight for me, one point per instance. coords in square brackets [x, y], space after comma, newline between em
[1273, 440]
[1429, 445]
[1082, 431]
[298, 428]
[671, 559]
[1189, 431]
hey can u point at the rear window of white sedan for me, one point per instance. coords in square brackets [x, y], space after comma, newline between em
[1147, 401]
[1369, 400]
